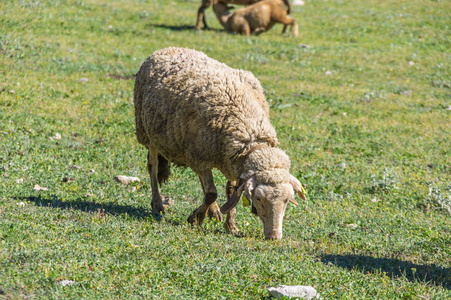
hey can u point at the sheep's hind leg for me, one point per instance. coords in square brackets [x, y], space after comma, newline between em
[152, 166]
[201, 14]
[210, 195]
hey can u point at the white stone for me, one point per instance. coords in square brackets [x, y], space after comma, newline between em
[66, 282]
[294, 291]
[298, 2]
[56, 137]
[126, 179]
[37, 187]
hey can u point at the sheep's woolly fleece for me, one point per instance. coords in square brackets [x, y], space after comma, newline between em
[200, 113]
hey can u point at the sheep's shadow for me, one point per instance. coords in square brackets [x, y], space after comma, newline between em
[393, 268]
[181, 27]
[89, 206]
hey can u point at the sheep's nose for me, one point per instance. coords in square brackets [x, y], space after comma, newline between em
[275, 235]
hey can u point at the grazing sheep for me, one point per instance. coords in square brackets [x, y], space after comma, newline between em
[206, 4]
[194, 111]
[255, 18]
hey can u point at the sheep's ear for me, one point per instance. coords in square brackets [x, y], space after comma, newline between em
[250, 186]
[297, 186]
[233, 195]
[234, 192]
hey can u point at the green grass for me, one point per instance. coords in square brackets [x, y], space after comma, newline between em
[370, 142]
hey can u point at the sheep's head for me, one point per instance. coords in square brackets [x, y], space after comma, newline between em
[270, 188]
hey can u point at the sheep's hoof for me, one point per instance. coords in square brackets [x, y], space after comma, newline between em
[196, 218]
[158, 211]
[230, 227]
[214, 212]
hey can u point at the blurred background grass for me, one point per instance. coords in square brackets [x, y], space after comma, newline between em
[363, 112]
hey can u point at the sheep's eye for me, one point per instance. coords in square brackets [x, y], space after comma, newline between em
[258, 198]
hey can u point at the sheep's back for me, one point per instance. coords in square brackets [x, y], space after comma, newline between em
[195, 110]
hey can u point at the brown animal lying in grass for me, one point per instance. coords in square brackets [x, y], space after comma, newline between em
[256, 18]
[206, 4]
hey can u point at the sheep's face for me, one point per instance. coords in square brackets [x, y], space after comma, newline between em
[269, 203]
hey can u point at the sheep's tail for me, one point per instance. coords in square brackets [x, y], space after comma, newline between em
[288, 6]
[164, 169]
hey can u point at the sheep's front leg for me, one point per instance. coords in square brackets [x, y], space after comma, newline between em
[284, 30]
[214, 211]
[258, 30]
[290, 21]
[230, 223]
[210, 195]
[245, 29]
[152, 166]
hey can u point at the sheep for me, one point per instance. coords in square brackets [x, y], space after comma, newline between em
[206, 4]
[256, 18]
[194, 111]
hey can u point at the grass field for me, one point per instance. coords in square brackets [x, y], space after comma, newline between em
[364, 113]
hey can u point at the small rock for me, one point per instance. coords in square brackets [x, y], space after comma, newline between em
[448, 108]
[21, 204]
[66, 282]
[342, 165]
[75, 167]
[92, 171]
[89, 195]
[125, 179]
[167, 202]
[328, 73]
[352, 225]
[298, 2]
[83, 80]
[20, 181]
[303, 46]
[411, 63]
[56, 137]
[294, 291]
[37, 187]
